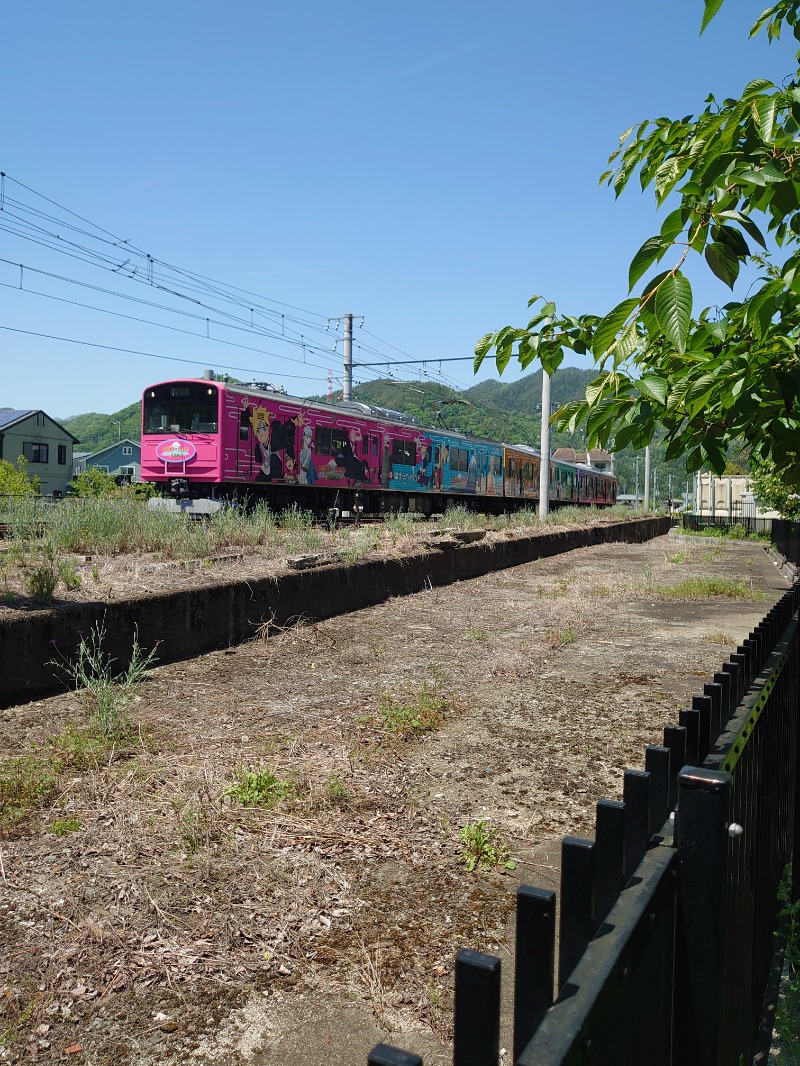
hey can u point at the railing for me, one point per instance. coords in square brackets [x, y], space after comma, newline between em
[667, 918]
[749, 523]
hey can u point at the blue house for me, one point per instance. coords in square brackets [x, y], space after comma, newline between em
[122, 459]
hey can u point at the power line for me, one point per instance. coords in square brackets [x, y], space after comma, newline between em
[133, 264]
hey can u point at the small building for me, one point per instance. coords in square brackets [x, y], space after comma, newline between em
[597, 458]
[123, 459]
[45, 444]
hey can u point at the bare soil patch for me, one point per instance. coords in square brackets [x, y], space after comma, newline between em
[178, 925]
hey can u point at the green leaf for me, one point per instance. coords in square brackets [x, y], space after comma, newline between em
[673, 309]
[650, 252]
[747, 225]
[610, 326]
[596, 388]
[764, 110]
[483, 346]
[722, 262]
[711, 8]
[503, 357]
[655, 387]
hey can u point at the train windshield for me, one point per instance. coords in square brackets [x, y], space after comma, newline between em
[181, 407]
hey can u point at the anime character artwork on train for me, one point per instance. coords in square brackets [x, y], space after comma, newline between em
[210, 442]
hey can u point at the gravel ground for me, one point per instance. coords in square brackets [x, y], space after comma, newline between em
[177, 924]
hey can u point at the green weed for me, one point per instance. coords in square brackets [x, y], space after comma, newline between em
[476, 634]
[260, 788]
[415, 714]
[106, 694]
[559, 638]
[787, 1010]
[679, 557]
[336, 791]
[705, 588]
[26, 781]
[482, 848]
[63, 826]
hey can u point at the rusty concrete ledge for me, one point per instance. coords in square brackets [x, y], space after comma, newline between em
[188, 623]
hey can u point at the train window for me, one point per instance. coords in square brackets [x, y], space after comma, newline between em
[339, 441]
[374, 442]
[459, 460]
[244, 424]
[322, 440]
[404, 453]
[184, 408]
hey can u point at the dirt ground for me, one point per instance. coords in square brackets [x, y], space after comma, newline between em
[176, 924]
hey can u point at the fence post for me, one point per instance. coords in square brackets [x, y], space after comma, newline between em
[476, 1036]
[535, 960]
[636, 794]
[609, 858]
[702, 867]
[675, 740]
[577, 888]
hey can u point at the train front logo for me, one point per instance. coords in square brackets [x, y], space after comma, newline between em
[176, 451]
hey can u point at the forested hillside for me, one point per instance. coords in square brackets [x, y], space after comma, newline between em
[95, 431]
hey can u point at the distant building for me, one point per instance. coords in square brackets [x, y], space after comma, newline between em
[123, 459]
[45, 444]
[596, 458]
[727, 496]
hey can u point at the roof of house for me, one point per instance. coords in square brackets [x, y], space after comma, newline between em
[111, 447]
[595, 455]
[9, 417]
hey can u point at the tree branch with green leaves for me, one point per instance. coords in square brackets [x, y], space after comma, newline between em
[702, 380]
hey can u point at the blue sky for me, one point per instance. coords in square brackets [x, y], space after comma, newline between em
[426, 165]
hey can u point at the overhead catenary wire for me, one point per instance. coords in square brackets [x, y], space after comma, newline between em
[253, 313]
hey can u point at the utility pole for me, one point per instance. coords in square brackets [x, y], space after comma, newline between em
[647, 478]
[347, 381]
[119, 429]
[637, 482]
[544, 465]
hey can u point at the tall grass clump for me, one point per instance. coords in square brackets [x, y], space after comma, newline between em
[25, 516]
[462, 518]
[105, 694]
[100, 526]
[298, 531]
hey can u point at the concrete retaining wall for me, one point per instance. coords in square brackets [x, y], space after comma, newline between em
[188, 623]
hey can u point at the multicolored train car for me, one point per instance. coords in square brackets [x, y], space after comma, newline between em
[204, 440]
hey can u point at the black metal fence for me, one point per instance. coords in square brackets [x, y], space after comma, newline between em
[749, 523]
[667, 918]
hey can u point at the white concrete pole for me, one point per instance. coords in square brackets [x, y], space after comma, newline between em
[544, 468]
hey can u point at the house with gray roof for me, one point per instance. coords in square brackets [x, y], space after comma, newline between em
[122, 459]
[45, 444]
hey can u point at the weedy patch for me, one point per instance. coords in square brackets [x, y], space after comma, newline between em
[787, 1009]
[482, 847]
[559, 638]
[475, 634]
[260, 788]
[679, 557]
[336, 791]
[718, 638]
[410, 716]
[26, 781]
[706, 588]
[64, 826]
